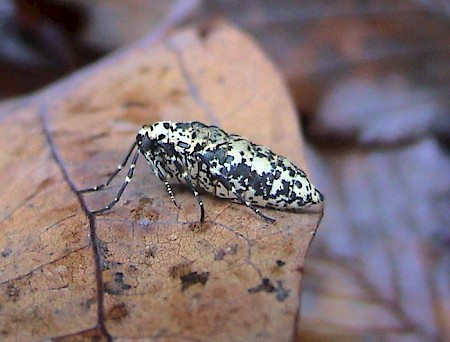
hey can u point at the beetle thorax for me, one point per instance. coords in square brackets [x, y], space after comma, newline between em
[158, 131]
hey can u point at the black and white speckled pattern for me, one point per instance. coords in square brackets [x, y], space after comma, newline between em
[226, 165]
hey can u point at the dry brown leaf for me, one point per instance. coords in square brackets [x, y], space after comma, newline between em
[146, 269]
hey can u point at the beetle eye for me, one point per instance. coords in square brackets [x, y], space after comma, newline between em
[145, 142]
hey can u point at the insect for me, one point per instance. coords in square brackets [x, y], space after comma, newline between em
[225, 165]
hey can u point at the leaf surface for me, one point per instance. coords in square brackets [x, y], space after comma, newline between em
[146, 269]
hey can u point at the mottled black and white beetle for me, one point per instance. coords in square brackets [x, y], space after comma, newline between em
[225, 165]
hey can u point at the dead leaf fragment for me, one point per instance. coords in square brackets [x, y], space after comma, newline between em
[147, 269]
